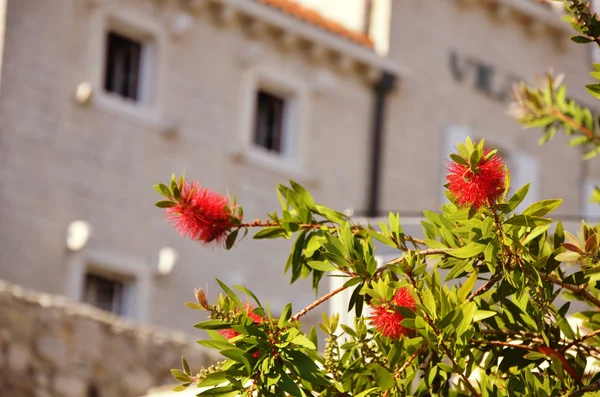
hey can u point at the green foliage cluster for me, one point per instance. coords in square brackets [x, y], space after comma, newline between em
[508, 336]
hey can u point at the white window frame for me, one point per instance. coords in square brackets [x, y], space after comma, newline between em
[130, 22]
[137, 277]
[296, 93]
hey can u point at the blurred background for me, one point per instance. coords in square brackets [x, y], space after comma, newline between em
[360, 101]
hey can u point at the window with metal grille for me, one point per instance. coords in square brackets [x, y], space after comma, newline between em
[104, 293]
[123, 66]
[269, 121]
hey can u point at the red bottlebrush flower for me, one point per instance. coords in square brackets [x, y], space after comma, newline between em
[483, 185]
[387, 320]
[202, 214]
[229, 333]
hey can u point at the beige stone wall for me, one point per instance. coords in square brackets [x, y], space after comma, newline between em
[60, 161]
[52, 348]
[430, 101]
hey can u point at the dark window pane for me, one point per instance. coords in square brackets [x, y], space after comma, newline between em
[104, 293]
[268, 128]
[123, 62]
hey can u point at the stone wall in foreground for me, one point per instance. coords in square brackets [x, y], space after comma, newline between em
[50, 347]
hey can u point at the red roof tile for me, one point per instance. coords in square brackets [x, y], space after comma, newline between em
[313, 17]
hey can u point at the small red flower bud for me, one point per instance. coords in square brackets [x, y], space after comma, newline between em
[387, 320]
[201, 298]
[483, 185]
[202, 214]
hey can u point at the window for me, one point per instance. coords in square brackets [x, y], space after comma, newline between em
[104, 293]
[123, 66]
[269, 121]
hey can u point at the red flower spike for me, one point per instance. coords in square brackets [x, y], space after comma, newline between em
[229, 333]
[483, 185]
[202, 214]
[387, 320]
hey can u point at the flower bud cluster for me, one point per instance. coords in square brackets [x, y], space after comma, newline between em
[332, 352]
[204, 372]
[371, 353]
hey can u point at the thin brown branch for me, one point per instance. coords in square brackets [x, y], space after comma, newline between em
[406, 365]
[579, 340]
[316, 303]
[582, 390]
[511, 333]
[576, 289]
[437, 251]
[409, 361]
[568, 120]
[500, 343]
[484, 288]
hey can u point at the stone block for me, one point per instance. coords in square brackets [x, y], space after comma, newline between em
[88, 339]
[70, 386]
[138, 382]
[52, 349]
[19, 357]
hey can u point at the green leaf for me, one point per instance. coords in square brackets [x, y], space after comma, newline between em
[194, 306]
[303, 341]
[181, 387]
[285, 315]
[591, 154]
[467, 287]
[216, 344]
[367, 392]
[468, 251]
[246, 291]
[528, 221]
[593, 89]
[213, 324]
[237, 356]
[517, 198]
[180, 375]
[468, 311]
[581, 39]
[382, 377]
[535, 233]
[312, 336]
[568, 256]
[579, 140]
[483, 314]
[304, 196]
[429, 302]
[231, 239]
[576, 278]
[271, 232]
[322, 266]
[165, 204]
[230, 294]
[535, 356]
[543, 207]
[458, 159]
[185, 366]
[539, 122]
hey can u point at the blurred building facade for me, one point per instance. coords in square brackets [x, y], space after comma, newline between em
[360, 101]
